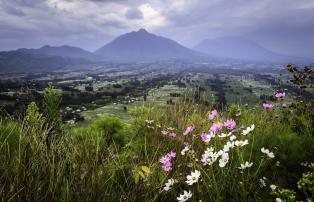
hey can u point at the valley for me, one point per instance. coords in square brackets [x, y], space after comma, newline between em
[114, 89]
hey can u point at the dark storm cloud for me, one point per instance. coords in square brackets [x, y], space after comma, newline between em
[285, 26]
[134, 13]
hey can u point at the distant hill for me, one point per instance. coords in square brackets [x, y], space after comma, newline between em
[240, 48]
[142, 45]
[19, 61]
[62, 51]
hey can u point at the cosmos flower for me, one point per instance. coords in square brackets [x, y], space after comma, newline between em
[164, 132]
[216, 127]
[166, 161]
[188, 130]
[205, 137]
[268, 106]
[267, 152]
[223, 160]
[183, 151]
[230, 124]
[238, 114]
[172, 135]
[262, 182]
[222, 135]
[279, 95]
[278, 200]
[228, 146]
[240, 143]
[169, 184]
[245, 165]
[232, 137]
[193, 178]
[209, 157]
[273, 187]
[248, 130]
[212, 114]
[185, 196]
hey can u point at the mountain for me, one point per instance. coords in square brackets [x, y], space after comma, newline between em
[19, 61]
[240, 48]
[142, 45]
[62, 51]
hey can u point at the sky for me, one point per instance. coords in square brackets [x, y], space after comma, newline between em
[283, 26]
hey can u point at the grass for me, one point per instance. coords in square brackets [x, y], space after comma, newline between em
[113, 160]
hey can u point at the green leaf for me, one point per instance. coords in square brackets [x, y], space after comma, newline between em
[145, 169]
[141, 174]
[136, 177]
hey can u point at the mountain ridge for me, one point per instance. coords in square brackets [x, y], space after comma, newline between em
[142, 45]
[244, 49]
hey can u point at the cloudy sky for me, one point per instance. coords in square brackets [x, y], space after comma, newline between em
[284, 26]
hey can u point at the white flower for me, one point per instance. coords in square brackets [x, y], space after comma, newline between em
[193, 178]
[209, 157]
[248, 130]
[169, 184]
[262, 182]
[240, 143]
[225, 135]
[233, 137]
[278, 200]
[245, 165]
[223, 160]
[273, 187]
[186, 148]
[228, 146]
[267, 152]
[209, 137]
[185, 196]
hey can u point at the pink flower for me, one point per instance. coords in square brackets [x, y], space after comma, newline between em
[167, 167]
[204, 137]
[280, 95]
[230, 124]
[267, 106]
[212, 114]
[172, 135]
[216, 127]
[188, 130]
[166, 161]
[172, 154]
[238, 114]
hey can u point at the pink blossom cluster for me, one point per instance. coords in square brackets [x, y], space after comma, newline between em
[189, 130]
[216, 127]
[268, 106]
[212, 114]
[166, 161]
[230, 124]
[280, 95]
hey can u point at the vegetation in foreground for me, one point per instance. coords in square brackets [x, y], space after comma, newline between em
[186, 151]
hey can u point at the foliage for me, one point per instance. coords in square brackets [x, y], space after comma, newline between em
[165, 153]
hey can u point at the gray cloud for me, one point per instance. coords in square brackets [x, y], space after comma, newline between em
[285, 26]
[134, 13]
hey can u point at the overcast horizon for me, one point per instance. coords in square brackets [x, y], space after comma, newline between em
[284, 26]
